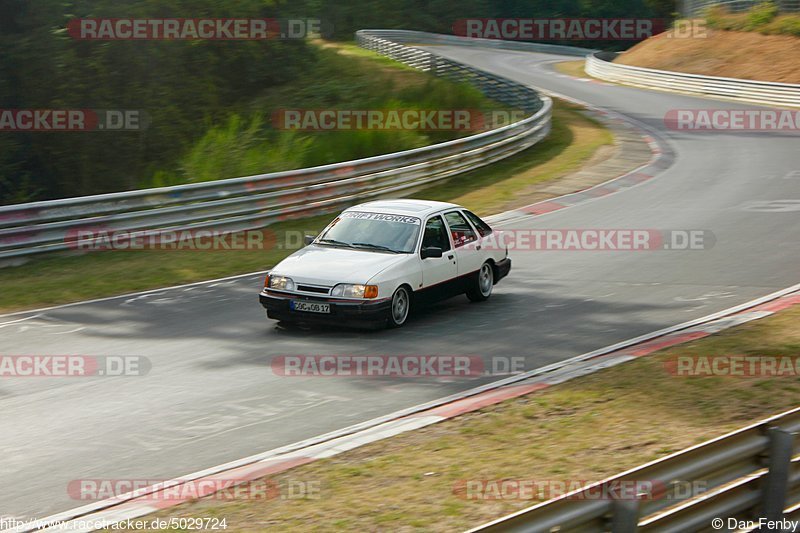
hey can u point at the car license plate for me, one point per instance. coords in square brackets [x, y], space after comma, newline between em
[310, 307]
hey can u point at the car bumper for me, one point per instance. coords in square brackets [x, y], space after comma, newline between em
[342, 311]
[503, 268]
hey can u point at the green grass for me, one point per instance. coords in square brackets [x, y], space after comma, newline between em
[582, 430]
[62, 279]
[345, 77]
[350, 48]
[763, 18]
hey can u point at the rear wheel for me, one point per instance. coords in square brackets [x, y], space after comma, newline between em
[482, 286]
[401, 305]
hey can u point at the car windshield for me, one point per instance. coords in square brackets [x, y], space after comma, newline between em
[372, 231]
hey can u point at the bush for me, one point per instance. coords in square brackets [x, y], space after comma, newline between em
[783, 25]
[241, 147]
[718, 17]
[762, 18]
[761, 15]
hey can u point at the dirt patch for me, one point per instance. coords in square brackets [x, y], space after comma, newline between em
[731, 54]
[572, 68]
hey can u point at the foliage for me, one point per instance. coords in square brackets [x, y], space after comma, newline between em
[763, 18]
[241, 147]
[440, 15]
[181, 85]
[761, 15]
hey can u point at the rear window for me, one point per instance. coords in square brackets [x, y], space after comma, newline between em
[483, 228]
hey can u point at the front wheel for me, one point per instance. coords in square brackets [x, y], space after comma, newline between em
[401, 305]
[482, 286]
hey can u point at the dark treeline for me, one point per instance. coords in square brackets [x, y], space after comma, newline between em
[439, 15]
[186, 87]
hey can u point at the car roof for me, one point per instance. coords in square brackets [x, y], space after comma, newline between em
[405, 206]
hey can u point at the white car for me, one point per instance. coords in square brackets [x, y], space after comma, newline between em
[376, 261]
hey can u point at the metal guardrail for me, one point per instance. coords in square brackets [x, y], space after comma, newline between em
[421, 37]
[600, 66]
[253, 202]
[750, 473]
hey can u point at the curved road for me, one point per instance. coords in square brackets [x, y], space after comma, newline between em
[211, 396]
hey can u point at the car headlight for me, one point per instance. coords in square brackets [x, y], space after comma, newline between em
[281, 283]
[348, 290]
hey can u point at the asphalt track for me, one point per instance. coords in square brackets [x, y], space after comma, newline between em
[211, 396]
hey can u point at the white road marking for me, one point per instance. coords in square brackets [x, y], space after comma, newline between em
[773, 206]
[4, 324]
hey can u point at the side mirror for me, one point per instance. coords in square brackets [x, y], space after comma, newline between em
[431, 251]
[308, 239]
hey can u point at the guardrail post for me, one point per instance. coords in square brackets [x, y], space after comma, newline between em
[776, 482]
[625, 516]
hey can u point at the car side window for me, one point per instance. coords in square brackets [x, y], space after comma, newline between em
[483, 228]
[435, 234]
[460, 229]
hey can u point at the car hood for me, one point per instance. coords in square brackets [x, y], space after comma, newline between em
[329, 265]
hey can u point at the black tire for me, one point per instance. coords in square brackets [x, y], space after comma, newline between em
[400, 308]
[481, 288]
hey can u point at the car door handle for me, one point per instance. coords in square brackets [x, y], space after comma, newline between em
[478, 247]
[450, 256]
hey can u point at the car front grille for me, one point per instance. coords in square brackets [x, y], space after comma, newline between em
[316, 290]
